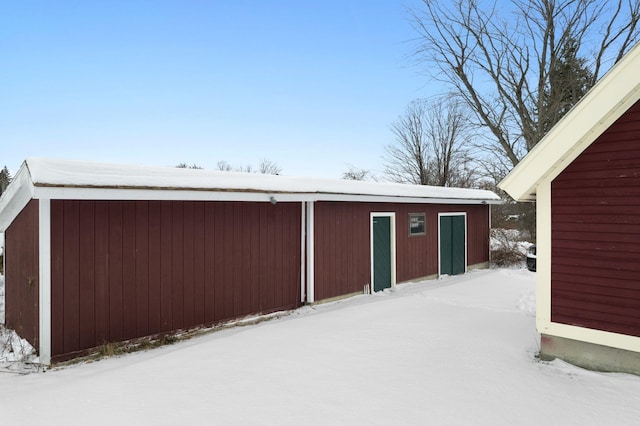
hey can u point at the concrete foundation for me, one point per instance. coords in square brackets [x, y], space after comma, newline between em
[589, 355]
[483, 265]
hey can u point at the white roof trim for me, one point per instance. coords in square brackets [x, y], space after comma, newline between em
[64, 179]
[60, 193]
[608, 100]
[15, 198]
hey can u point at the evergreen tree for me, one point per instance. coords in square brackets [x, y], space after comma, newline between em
[569, 80]
[5, 179]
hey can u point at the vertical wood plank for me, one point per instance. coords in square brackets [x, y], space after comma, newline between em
[229, 269]
[166, 265]
[264, 275]
[116, 321]
[177, 269]
[278, 253]
[287, 254]
[219, 259]
[319, 234]
[129, 304]
[57, 275]
[331, 247]
[296, 261]
[254, 258]
[211, 263]
[245, 257]
[235, 251]
[332, 244]
[102, 271]
[155, 267]
[143, 220]
[199, 262]
[71, 285]
[87, 275]
[345, 225]
[188, 265]
[271, 259]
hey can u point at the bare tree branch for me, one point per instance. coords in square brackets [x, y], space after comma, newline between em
[521, 65]
[431, 145]
[355, 173]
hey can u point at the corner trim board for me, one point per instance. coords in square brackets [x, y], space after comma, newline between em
[303, 243]
[44, 290]
[310, 253]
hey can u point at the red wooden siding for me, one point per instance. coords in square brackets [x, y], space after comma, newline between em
[477, 234]
[343, 250]
[127, 269]
[22, 274]
[596, 233]
[417, 256]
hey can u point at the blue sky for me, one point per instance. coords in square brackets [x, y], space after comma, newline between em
[311, 85]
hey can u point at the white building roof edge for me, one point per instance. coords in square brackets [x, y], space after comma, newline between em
[15, 197]
[616, 92]
[72, 179]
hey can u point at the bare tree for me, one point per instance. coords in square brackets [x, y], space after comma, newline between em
[223, 166]
[430, 146]
[268, 167]
[512, 62]
[355, 173]
[186, 166]
[406, 159]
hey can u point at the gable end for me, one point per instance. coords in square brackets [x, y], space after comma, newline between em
[595, 233]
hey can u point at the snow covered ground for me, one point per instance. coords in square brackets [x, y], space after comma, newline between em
[458, 351]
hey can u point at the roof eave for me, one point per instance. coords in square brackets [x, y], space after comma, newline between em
[16, 196]
[225, 194]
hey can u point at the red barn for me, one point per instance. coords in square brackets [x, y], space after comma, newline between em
[98, 253]
[585, 177]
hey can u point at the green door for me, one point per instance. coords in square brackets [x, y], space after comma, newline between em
[452, 245]
[381, 252]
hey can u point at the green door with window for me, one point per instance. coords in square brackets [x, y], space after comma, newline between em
[381, 252]
[452, 245]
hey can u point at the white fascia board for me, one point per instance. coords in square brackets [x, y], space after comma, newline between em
[71, 193]
[409, 200]
[127, 194]
[15, 198]
[610, 98]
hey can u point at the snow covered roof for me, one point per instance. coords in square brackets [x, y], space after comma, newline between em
[612, 96]
[79, 174]
[71, 179]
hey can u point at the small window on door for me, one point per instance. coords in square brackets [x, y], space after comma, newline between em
[416, 224]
